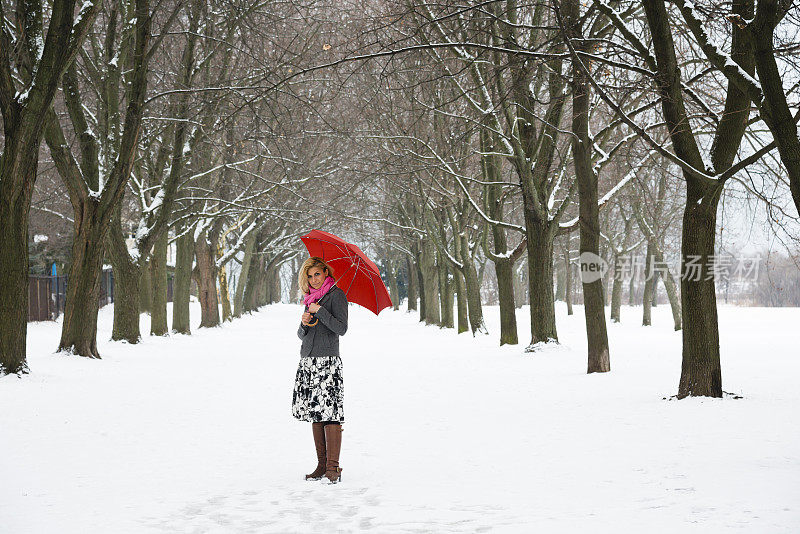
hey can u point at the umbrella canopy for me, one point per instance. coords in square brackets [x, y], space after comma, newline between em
[356, 274]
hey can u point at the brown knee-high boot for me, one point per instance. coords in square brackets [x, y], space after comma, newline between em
[333, 443]
[319, 443]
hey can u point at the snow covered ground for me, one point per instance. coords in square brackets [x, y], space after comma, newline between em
[443, 433]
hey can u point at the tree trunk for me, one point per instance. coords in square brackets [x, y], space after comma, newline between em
[481, 270]
[589, 212]
[430, 283]
[594, 312]
[474, 307]
[394, 290]
[182, 284]
[14, 266]
[158, 279]
[672, 291]
[224, 293]
[521, 284]
[540, 282]
[503, 263]
[503, 258]
[701, 374]
[441, 269]
[272, 286]
[504, 269]
[632, 290]
[647, 296]
[446, 294]
[411, 271]
[616, 291]
[276, 285]
[268, 285]
[251, 289]
[421, 287]
[461, 296]
[560, 289]
[79, 330]
[126, 302]
[656, 276]
[244, 274]
[127, 275]
[568, 283]
[207, 281]
[618, 255]
[263, 288]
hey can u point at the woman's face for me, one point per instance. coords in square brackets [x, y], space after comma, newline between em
[316, 276]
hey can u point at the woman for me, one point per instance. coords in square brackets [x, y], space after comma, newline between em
[318, 388]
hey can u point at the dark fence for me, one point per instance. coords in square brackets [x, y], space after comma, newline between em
[47, 294]
[40, 304]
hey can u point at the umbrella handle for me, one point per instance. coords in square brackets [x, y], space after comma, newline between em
[313, 316]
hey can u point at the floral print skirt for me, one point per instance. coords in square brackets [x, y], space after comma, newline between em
[319, 390]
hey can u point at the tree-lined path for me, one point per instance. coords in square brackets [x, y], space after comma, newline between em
[443, 432]
[565, 200]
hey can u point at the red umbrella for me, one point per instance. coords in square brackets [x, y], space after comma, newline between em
[356, 274]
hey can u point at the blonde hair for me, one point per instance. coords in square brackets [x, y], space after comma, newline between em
[310, 263]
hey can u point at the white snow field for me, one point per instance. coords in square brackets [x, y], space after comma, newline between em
[443, 433]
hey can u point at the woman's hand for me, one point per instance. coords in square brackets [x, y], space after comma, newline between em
[314, 307]
[306, 318]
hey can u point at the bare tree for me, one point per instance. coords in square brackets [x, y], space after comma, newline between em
[31, 66]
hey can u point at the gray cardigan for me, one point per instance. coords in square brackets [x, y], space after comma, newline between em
[322, 339]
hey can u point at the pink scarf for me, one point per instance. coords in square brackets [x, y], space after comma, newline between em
[314, 295]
